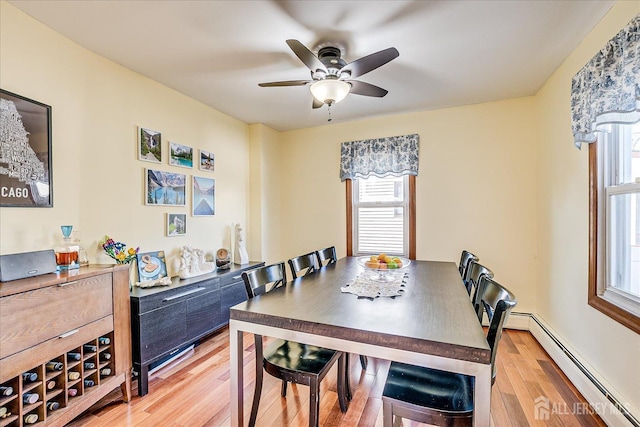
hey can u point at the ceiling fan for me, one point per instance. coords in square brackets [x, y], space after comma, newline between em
[331, 77]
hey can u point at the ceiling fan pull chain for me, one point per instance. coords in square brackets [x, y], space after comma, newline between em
[329, 109]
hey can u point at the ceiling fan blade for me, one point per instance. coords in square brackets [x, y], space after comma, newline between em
[317, 104]
[370, 62]
[366, 89]
[285, 83]
[306, 56]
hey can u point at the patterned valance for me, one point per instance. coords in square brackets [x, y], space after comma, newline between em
[607, 89]
[394, 155]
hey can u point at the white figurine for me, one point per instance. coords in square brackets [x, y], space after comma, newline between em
[193, 263]
[240, 256]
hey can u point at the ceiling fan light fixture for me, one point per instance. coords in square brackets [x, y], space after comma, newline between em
[330, 91]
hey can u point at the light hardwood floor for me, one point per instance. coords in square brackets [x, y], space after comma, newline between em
[194, 391]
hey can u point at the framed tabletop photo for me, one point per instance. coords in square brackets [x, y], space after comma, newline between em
[25, 152]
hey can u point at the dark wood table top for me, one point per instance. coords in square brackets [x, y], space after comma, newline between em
[434, 315]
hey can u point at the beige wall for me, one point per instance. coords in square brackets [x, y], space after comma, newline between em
[476, 188]
[611, 349]
[97, 180]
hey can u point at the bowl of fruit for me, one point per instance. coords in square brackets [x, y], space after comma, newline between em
[383, 264]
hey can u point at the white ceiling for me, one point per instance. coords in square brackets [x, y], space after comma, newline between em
[451, 52]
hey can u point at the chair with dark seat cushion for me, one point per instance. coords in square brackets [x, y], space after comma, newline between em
[307, 262]
[327, 256]
[465, 258]
[291, 361]
[475, 273]
[438, 397]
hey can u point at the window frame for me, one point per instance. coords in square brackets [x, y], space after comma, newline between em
[411, 214]
[597, 249]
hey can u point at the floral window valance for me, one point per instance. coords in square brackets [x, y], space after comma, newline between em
[607, 89]
[391, 156]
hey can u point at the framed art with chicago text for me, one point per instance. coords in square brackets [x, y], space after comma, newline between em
[25, 152]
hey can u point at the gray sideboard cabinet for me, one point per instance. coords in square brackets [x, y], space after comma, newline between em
[165, 319]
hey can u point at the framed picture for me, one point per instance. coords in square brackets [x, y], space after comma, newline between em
[180, 155]
[206, 161]
[165, 188]
[204, 196]
[151, 266]
[25, 152]
[149, 145]
[176, 224]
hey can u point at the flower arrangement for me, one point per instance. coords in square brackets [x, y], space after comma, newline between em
[118, 250]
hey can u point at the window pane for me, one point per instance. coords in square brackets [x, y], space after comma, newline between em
[624, 242]
[374, 189]
[381, 230]
[635, 152]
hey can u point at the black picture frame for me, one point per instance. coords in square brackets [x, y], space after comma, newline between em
[25, 152]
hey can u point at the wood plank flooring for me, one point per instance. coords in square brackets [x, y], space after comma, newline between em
[194, 391]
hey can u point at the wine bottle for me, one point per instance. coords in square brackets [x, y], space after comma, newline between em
[90, 348]
[29, 398]
[31, 418]
[54, 366]
[74, 356]
[29, 377]
[6, 391]
[52, 405]
[89, 365]
[72, 375]
[89, 383]
[105, 372]
[51, 385]
[105, 356]
[72, 392]
[104, 340]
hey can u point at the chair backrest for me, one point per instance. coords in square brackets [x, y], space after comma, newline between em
[261, 280]
[465, 258]
[306, 261]
[498, 302]
[475, 272]
[327, 256]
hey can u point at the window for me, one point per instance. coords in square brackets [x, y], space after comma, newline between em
[381, 216]
[615, 255]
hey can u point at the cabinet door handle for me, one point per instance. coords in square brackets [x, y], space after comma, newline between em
[180, 295]
[68, 334]
[60, 285]
[236, 277]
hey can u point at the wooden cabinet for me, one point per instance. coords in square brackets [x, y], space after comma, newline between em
[65, 343]
[165, 319]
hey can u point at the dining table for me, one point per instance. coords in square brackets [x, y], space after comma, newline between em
[430, 323]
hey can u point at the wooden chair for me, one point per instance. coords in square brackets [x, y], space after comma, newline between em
[465, 258]
[291, 361]
[327, 256]
[475, 273]
[438, 397]
[302, 262]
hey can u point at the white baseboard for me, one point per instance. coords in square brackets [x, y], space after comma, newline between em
[604, 400]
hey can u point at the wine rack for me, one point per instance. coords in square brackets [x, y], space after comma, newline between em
[55, 380]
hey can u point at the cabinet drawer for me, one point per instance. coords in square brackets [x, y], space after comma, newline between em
[43, 352]
[203, 314]
[167, 296]
[231, 277]
[29, 318]
[160, 331]
[232, 294]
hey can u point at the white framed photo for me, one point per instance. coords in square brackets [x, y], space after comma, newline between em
[149, 145]
[207, 162]
[176, 224]
[203, 192]
[165, 188]
[180, 155]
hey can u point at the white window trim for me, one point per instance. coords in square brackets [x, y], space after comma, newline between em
[405, 212]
